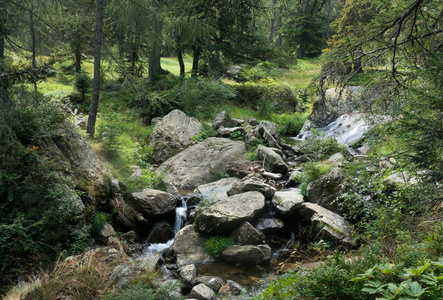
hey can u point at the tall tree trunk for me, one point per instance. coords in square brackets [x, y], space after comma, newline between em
[34, 64]
[328, 19]
[181, 62]
[4, 84]
[155, 53]
[78, 60]
[280, 25]
[197, 51]
[97, 61]
[303, 38]
[272, 29]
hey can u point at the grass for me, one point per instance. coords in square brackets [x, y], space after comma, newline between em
[171, 64]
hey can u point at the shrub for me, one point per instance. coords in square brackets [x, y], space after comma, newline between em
[148, 179]
[203, 97]
[311, 171]
[216, 244]
[319, 146]
[82, 83]
[207, 131]
[289, 124]
[100, 219]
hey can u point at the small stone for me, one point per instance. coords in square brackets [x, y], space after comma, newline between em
[202, 292]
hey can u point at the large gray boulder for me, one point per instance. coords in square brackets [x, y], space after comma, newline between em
[273, 159]
[200, 163]
[269, 132]
[172, 134]
[325, 190]
[287, 202]
[328, 225]
[215, 191]
[246, 234]
[246, 254]
[335, 103]
[188, 274]
[153, 204]
[189, 247]
[226, 215]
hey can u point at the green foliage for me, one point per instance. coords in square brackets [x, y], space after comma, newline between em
[251, 155]
[202, 98]
[319, 146]
[394, 282]
[311, 171]
[289, 124]
[218, 174]
[216, 244]
[266, 95]
[100, 219]
[82, 83]
[149, 179]
[237, 135]
[207, 131]
[435, 241]
[109, 129]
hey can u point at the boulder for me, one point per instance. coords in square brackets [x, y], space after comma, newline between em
[222, 119]
[153, 204]
[160, 233]
[401, 178]
[287, 202]
[172, 134]
[202, 292]
[199, 164]
[226, 132]
[252, 183]
[335, 103]
[273, 160]
[269, 131]
[213, 282]
[270, 226]
[215, 191]
[189, 247]
[227, 214]
[246, 254]
[325, 190]
[328, 225]
[188, 274]
[246, 234]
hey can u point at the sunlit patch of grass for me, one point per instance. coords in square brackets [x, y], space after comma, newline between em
[171, 64]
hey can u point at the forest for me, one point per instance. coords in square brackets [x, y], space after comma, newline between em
[300, 140]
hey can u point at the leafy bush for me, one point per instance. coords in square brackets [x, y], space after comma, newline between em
[148, 179]
[311, 171]
[207, 131]
[289, 124]
[266, 96]
[100, 219]
[109, 130]
[203, 97]
[216, 244]
[319, 146]
[82, 83]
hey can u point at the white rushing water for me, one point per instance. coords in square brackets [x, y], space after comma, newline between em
[347, 129]
[158, 248]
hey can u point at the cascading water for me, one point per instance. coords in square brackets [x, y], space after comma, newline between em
[158, 248]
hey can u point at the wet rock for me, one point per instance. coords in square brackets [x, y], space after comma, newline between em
[129, 236]
[202, 292]
[153, 204]
[246, 254]
[270, 226]
[105, 233]
[273, 161]
[227, 214]
[226, 132]
[246, 234]
[172, 134]
[188, 274]
[213, 282]
[328, 225]
[287, 202]
[198, 164]
[160, 233]
[239, 169]
[173, 288]
[189, 247]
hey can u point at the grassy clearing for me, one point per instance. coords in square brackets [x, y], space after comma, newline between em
[171, 64]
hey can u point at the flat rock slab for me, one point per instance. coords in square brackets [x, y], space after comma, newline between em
[153, 204]
[216, 191]
[200, 163]
[328, 224]
[246, 254]
[228, 214]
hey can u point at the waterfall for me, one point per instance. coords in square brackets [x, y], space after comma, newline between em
[158, 248]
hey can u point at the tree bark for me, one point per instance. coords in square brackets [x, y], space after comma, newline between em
[272, 29]
[328, 19]
[4, 84]
[78, 60]
[97, 62]
[197, 51]
[181, 62]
